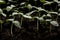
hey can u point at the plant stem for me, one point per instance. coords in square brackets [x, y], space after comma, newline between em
[21, 20]
[37, 25]
[11, 29]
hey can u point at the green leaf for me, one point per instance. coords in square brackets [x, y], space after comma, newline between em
[53, 13]
[17, 24]
[26, 16]
[15, 13]
[10, 20]
[48, 20]
[47, 2]
[31, 12]
[40, 18]
[8, 8]
[29, 6]
[54, 23]
[2, 2]
[49, 15]
[23, 3]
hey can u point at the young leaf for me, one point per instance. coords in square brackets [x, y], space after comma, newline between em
[47, 2]
[54, 23]
[31, 12]
[48, 20]
[4, 14]
[10, 20]
[41, 18]
[41, 9]
[29, 6]
[8, 8]
[25, 16]
[49, 15]
[17, 24]
[53, 12]
[15, 13]
[2, 2]
[23, 3]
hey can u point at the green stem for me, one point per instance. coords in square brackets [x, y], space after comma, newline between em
[11, 29]
[37, 25]
[21, 20]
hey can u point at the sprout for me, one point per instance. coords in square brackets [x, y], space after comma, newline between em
[8, 8]
[4, 14]
[44, 15]
[47, 2]
[1, 12]
[29, 6]
[48, 20]
[31, 12]
[15, 13]
[41, 9]
[48, 15]
[56, 1]
[10, 20]
[23, 3]
[2, 2]
[25, 16]
[54, 23]
[41, 18]
[17, 24]
[12, 5]
[53, 12]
